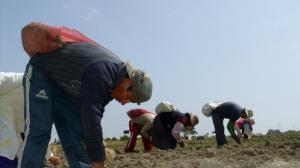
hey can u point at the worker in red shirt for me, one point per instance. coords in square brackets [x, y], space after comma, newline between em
[140, 123]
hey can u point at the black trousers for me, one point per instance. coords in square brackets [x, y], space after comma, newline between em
[161, 137]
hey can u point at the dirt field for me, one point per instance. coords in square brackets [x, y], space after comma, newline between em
[261, 151]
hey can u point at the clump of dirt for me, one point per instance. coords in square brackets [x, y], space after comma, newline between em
[268, 143]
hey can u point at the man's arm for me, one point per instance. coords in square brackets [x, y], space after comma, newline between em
[230, 128]
[133, 136]
[238, 130]
[178, 127]
[94, 91]
[91, 124]
[146, 128]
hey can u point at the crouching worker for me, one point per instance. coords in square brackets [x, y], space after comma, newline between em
[246, 126]
[11, 117]
[168, 124]
[140, 123]
[228, 110]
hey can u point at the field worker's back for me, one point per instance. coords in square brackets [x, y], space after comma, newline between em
[67, 65]
[142, 118]
[229, 110]
[88, 73]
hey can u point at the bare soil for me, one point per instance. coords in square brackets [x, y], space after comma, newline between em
[275, 151]
[263, 151]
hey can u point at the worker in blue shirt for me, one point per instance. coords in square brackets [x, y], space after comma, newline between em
[70, 87]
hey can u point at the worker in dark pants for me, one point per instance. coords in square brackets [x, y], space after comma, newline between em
[233, 112]
[167, 127]
[68, 81]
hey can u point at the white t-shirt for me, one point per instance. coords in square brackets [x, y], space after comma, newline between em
[12, 120]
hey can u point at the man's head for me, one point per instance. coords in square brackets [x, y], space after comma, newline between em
[137, 88]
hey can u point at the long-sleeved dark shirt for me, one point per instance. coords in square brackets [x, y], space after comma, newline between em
[168, 119]
[88, 72]
[229, 110]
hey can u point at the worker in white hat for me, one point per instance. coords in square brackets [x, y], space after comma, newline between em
[246, 125]
[231, 111]
[165, 106]
[168, 125]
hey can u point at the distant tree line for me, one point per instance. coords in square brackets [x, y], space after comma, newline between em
[277, 132]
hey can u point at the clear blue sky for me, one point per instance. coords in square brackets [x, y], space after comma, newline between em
[195, 51]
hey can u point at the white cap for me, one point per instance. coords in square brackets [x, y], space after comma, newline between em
[249, 112]
[165, 106]
[210, 106]
[141, 84]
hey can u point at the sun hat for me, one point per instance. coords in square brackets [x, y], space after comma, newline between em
[165, 106]
[249, 112]
[210, 106]
[141, 84]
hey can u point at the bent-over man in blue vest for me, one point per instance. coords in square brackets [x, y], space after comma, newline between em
[70, 87]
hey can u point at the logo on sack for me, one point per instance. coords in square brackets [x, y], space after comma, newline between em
[42, 94]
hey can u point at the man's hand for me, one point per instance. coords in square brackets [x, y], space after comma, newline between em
[98, 165]
[181, 144]
[54, 160]
[236, 139]
[239, 134]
